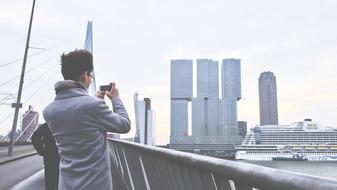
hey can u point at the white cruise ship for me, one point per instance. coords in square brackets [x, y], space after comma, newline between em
[304, 139]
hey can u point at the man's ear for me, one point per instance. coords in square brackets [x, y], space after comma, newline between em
[82, 76]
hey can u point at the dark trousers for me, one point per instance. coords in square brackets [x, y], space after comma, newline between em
[51, 173]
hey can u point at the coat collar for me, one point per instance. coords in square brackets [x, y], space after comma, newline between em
[69, 88]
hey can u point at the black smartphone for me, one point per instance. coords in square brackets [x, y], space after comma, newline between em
[104, 88]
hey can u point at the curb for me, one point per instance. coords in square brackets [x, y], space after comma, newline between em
[17, 158]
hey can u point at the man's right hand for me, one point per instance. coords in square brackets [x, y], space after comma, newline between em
[113, 92]
[100, 95]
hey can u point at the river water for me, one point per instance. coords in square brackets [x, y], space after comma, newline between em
[326, 169]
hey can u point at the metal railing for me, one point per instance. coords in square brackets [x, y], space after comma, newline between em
[139, 167]
[136, 166]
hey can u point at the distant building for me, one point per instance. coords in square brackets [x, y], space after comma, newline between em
[88, 45]
[181, 94]
[242, 128]
[207, 78]
[205, 107]
[30, 121]
[268, 99]
[145, 125]
[231, 93]
[214, 119]
[181, 79]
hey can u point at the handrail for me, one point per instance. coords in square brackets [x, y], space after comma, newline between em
[149, 167]
[136, 166]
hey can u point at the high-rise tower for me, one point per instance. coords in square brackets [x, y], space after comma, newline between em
[268, 99]
[145, 125]
[181, 94]
[231, 93]
[205, 107]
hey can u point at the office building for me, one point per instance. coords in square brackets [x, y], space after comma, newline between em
[30, 121]
[181, 95]
[242, 128]
[145, 125]
[231, 93]
[268, 99]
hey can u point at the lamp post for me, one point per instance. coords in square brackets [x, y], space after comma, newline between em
[18, 103]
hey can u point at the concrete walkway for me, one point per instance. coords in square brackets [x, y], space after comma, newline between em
[18, 152]
[35, 182]
[16, 171]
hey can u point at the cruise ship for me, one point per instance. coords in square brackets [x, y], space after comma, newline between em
[301, 139]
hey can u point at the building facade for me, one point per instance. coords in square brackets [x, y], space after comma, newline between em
[181, 95]
[231, 93]
[242, 128]
[145, 121]
[214, 120]
[205, 107]
[268, 99]
[30, 122]
[207, 78]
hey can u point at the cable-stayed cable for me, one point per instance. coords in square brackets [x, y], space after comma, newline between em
[5, 99]
[32, 55]
[20, 59]
[18, 76]
[44, 94]
[40, 87]
[3, 120]
[40, 76]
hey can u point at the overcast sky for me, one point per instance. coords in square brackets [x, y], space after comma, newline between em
[135, 40]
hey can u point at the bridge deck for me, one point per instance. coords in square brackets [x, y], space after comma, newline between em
[18, 152]
[14, 172]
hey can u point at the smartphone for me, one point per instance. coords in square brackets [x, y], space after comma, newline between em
[104, 88]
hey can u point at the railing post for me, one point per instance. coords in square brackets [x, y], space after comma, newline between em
[132, 158]
[207, 181]
[222, 183]
[152, 172]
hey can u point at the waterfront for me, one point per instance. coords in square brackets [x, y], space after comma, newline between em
[326, 169]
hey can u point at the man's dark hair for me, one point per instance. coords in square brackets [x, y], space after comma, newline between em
[75, 63]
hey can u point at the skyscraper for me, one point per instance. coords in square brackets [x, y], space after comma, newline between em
[214, 119]
[207, 78]
[205, 107]
[268, 99]
[242, 128]
[181, 79]
[231, 93]
[181, 94]
[145, 133]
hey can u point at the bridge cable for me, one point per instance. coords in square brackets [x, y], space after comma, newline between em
[18, 76]
[3, 120]
[40, 99]
[40, 87]
[40, 76]
[34, 54]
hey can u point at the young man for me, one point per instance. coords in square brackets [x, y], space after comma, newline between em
[79, 124]
[44, 144]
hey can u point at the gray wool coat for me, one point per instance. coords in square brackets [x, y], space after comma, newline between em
[79, 124]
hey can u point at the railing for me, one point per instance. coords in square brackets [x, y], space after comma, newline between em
[136, 166]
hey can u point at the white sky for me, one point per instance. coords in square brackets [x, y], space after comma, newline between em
[135, 40]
